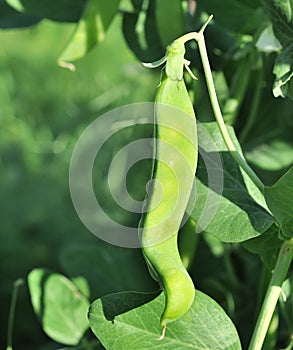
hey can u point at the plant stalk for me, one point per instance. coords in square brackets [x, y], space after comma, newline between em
[16, 286]
[218, 114]
[273, 292]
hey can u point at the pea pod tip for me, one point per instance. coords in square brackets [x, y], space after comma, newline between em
[164, 327]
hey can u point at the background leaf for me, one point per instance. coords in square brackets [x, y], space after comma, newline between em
[118, 326]
[11, 18]
[280, 14]
[279, 198]
[91, 29]
[60, 306]
[108, 268]
[269, 145]
[141, 32]
[233, 14]
[62, 10]
[283, 71]
[168, 12]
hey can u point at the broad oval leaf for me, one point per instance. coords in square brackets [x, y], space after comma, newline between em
[227, 204]
[128, 321]
[59, 305]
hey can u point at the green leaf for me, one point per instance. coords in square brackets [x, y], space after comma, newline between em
[59, 305]
[267, 246]
[16, 4]
[90, 30]
[279, 199]
[233, 14]
[128, 321]
[62, 10]
[11, 18]
[280, 14]
[267, 42]
[273, 155]
[141, 32]
[227, 204]
[98, 264]
[283, 71]
[169, 12]
[269, 144]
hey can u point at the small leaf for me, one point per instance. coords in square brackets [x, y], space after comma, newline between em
[227, 204]
[267, 42]
[280, 14]
[283, 71]
[16, 4]
[279, 199]
[128, 321]
[90, 29]
[60, 306]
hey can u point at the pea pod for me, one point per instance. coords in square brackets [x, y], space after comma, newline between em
[174, 166]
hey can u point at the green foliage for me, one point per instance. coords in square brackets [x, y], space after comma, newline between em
[45, 108]
[280, 14]
[60, 306]
[240, 213]
[141, 32]
[43, 111]
[279, 198]
[90, 29]
[63, 10]
[127, 320]
[98, 264]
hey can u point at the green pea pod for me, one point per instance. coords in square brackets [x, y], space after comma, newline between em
[174, 166]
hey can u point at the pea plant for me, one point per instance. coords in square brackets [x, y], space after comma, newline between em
[223, 125]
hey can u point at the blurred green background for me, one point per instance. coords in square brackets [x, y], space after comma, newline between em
[43, 110]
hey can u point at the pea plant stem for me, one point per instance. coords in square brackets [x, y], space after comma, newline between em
[217, 111]
[16, 286]
[273, 292]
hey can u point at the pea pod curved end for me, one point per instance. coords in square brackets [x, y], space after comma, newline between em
[179, 291]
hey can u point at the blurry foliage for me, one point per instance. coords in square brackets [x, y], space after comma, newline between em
[44, 109]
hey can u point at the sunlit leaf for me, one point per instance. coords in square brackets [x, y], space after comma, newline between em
[132, 321]
[59, 305]
[90, 29]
